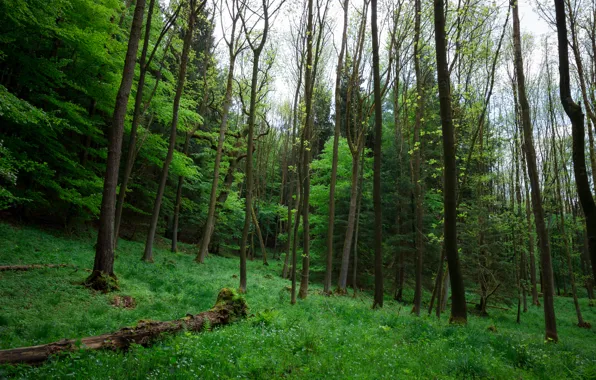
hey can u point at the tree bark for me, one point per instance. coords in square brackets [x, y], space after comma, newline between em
[545, 255]
[378, 244]
[349, 235]
[138, 111]
[575, 114]
[331, 225]
[458, 294]
[417, 158]
[4, 268]
[307, 139]
[104, 249]
[259, 235]
[228, 308]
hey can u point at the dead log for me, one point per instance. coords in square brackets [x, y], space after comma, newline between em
[228, 308]
[4, 268]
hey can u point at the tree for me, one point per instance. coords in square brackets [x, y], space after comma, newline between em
[103, 266]
[194, 9]
[331, 224]
[416, 182]
[144, 64]
[458, 294]
[378, 300]
[543, 240]
[235, 46]
[575, 114]
[256, 45]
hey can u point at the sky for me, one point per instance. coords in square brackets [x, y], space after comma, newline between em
[530, 20]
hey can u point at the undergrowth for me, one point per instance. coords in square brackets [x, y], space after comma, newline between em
[336, 337]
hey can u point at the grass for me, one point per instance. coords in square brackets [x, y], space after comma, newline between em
[320, 337]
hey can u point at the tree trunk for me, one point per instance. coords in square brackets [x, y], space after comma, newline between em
[417, 158]
[137, 113]
[378, 244]
[256, 49]
[104, 249]
[356, 233]
[458, 293]
[307, 134]
[545, 255]
[349, 235]
[259, 235]
[576, 116]
[210, 222]
[228, 308]
[135, 122]
[163, 178]
[338, 115]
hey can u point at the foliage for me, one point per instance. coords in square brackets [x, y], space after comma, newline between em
[337, 337]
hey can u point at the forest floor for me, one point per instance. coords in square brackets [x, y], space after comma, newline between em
[337, 337]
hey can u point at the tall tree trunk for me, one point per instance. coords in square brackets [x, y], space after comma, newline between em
[559, 201]
[417, 158]
[458, 294]
[137, 113]
[378, 300]
[104, 249]
[338, 115]
[148, 254]
[576, 116]
[252, 113]
[545, 255]
[307, 133]
[210, 222]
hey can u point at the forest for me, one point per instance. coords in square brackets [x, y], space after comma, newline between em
[297, 189]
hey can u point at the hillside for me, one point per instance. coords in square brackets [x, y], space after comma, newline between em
[333, 337]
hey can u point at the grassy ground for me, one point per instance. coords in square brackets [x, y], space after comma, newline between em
[320, 337]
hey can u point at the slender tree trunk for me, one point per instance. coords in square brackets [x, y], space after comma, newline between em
[378, 244]
[250, 144]
[136, 117]
[545, 255]
[519, 219]
[355, 266]
[417, 158]
[135, 122]
[148, 254]
[104, 249]
[349, 235]
[338, 115]
[259, 235]
[210, 222]
[307, 133]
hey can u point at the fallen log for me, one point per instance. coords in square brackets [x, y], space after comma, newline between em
[32, 266]
[228, 308]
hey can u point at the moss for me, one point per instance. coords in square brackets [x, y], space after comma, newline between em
[233, 302]
[102, 282]
[461, 321]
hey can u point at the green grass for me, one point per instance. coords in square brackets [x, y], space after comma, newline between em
[320, 337]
